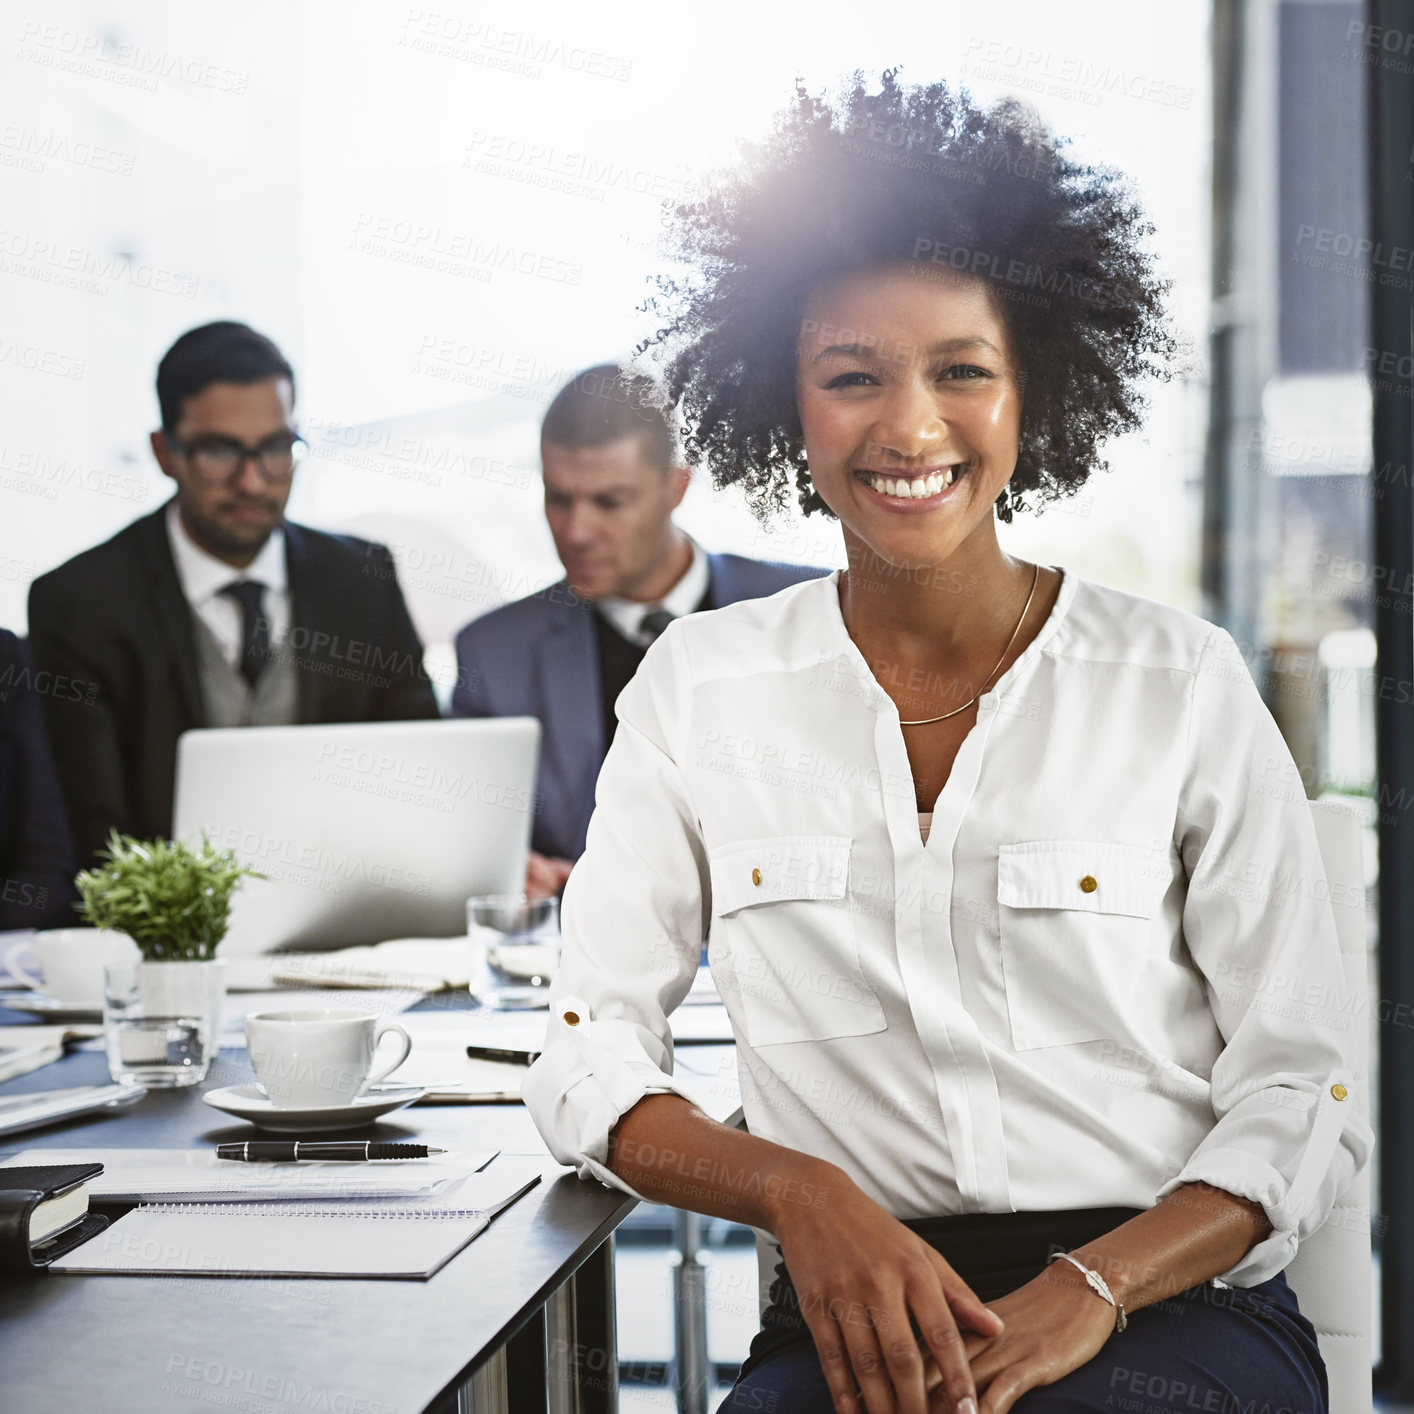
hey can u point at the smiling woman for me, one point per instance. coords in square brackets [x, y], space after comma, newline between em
[910, 427]
[856, 398]
[958, 827]
[922, 175]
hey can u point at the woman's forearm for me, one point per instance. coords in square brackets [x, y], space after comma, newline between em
[671, 1152]
[1188, 1237]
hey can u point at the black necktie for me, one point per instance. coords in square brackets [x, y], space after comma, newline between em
[653, 623]
[255, 627]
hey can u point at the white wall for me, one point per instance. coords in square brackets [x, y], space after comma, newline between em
[442, 214]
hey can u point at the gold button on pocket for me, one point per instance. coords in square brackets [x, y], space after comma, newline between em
[1073, 952]
[783, 939]
[1339, 1091]
[571, 1018]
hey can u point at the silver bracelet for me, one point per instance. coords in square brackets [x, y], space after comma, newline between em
[1096, 1283]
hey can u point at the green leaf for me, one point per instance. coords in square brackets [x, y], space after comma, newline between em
[172, 900]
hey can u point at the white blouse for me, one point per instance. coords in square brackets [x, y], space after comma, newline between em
[1074, 994]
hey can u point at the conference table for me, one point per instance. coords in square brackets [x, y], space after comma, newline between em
[520, 1321]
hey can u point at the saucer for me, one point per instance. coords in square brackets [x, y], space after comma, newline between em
[250, 1102]
[52, 1007]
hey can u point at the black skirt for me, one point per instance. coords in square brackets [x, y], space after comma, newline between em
[1207, 1350]
[994, 1253]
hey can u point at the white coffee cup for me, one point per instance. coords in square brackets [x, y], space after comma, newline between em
[66, 964]
[318, 1059]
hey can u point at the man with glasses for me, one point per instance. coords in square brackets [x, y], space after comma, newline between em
[215, 611]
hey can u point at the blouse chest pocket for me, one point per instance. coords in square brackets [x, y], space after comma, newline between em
[781, 912]
[1075, 935]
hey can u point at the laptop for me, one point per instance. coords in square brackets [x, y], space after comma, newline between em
[363, 831]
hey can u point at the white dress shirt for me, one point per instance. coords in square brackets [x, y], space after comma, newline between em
[627, 615]
[1073, 995]
[203, 577]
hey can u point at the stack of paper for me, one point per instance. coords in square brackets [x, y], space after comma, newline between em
[26, 1048]
[392, 1236]
[235, 1241]
[35, 1108]
[486, 1192]
[439, 1063]
[428, 964]
[152, 1175]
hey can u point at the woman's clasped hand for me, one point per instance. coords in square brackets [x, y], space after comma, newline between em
[1052, 1325]
[899, 1332]
[886, 1311]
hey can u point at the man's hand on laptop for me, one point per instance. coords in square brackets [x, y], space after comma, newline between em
[545, 876]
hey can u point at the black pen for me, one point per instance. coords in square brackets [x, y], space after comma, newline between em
[500, 1054]
[365, 1150]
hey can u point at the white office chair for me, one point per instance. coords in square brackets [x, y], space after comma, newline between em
[1331, 1272]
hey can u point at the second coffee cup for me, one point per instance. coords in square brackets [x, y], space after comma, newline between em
[66, 964]
[314, 1059]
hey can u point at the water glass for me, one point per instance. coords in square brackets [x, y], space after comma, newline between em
[162, 1021]
[515, 948]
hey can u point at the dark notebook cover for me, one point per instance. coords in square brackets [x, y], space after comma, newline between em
[22, 1190]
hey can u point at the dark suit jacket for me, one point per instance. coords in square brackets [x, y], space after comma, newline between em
[538, 657]
[114, 624]
[36, 853]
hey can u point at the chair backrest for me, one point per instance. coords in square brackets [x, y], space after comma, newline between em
[1331, 1273]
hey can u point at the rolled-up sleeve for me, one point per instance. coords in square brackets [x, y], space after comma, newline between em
[635, 913]
[1258, 923]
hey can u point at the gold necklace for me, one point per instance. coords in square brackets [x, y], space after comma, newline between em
[926, 721]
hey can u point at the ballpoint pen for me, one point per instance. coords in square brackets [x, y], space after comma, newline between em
[501, 1054]
[287, 1151]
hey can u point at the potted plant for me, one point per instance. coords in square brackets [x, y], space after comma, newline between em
[162, 1015]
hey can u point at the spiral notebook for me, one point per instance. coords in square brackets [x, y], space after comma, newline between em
[307, 1239]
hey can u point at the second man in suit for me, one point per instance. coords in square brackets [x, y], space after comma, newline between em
[214, 611]
[565, 653]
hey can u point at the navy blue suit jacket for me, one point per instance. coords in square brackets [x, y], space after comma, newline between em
[538, 657]
[36, 852]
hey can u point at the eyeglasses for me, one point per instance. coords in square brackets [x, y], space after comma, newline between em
[217, 459]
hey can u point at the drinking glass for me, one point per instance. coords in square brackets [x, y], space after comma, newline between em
[515, 948]
[162, 1021]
